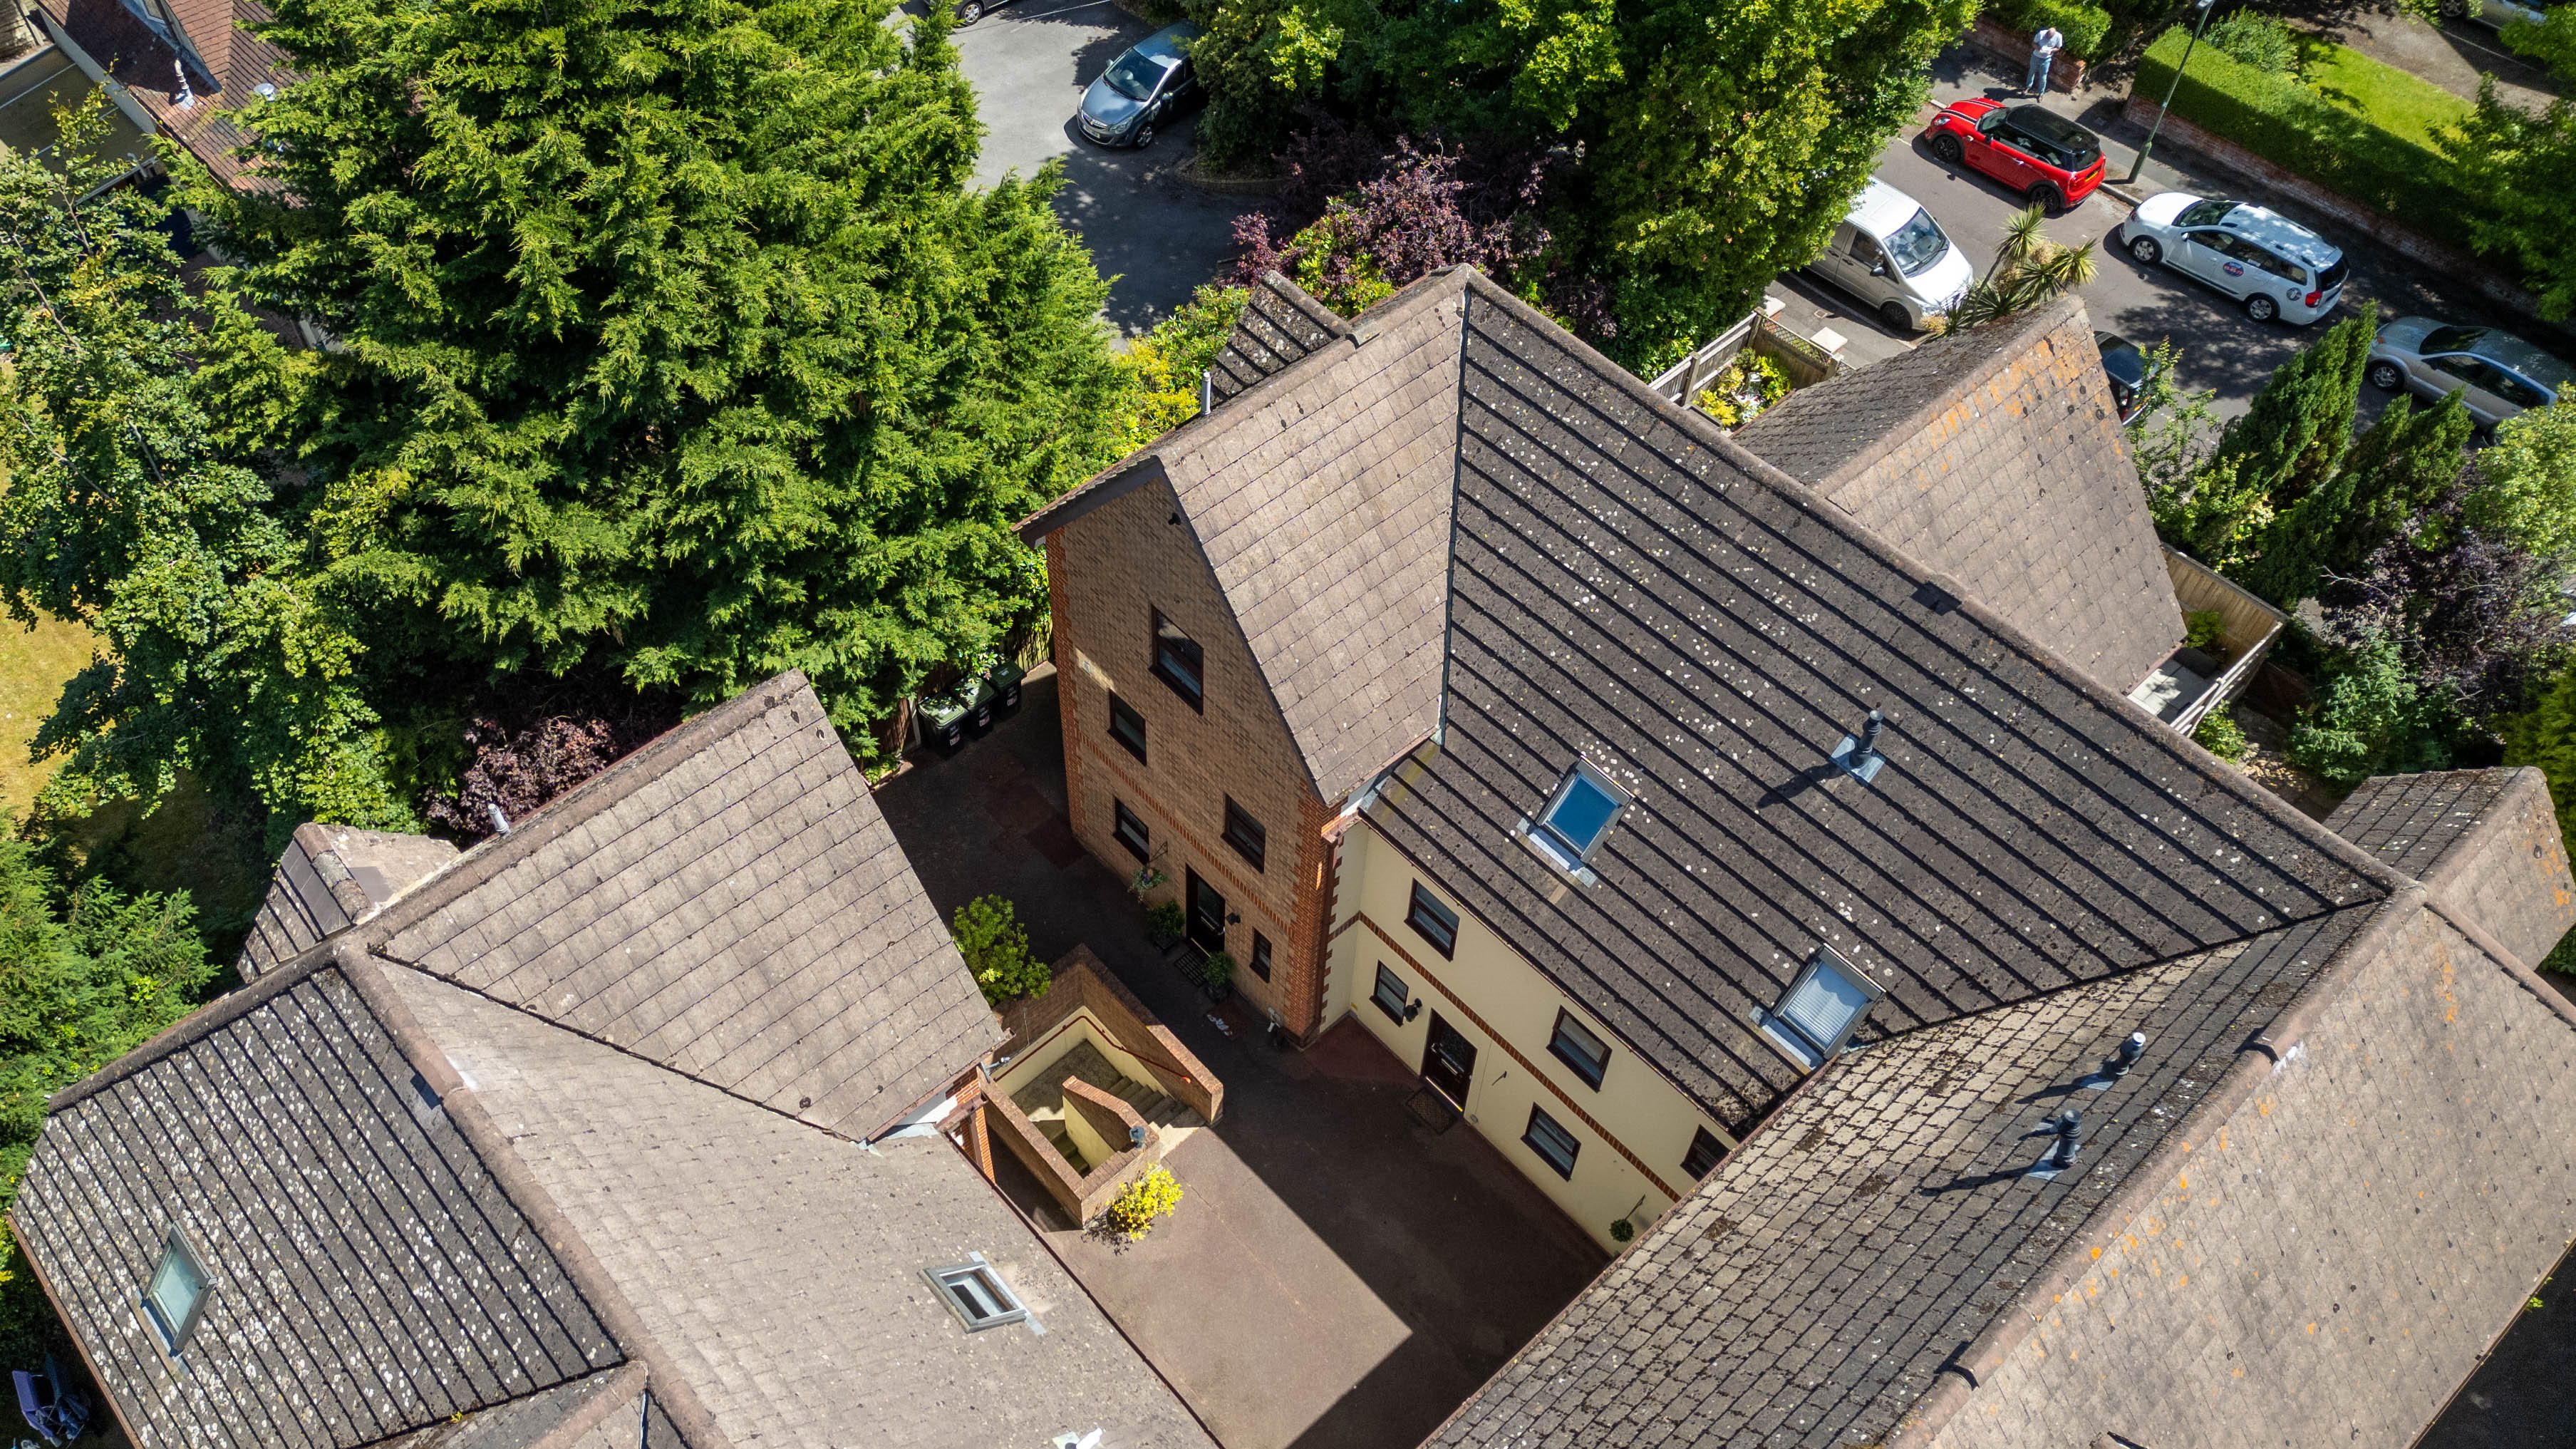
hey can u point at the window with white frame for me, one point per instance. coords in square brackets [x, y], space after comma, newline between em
[1577, 818]
[975, 1292]
[176, 1297]
[1822, 1008]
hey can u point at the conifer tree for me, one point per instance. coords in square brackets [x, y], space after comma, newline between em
[669, 339]
[2293, 436]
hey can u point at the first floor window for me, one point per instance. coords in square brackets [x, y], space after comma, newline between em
[1576, 1046]
[1127, 727]
[1705, 1154]
[1245, 834]
[1130, 830]
[1435, 922]
[1179, 662]
[1391, 993]
[1555, 1146]
[1261, 955]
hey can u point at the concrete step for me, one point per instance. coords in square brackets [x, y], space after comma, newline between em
[1063, 1140]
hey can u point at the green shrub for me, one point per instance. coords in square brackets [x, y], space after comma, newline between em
[2203, 628]
[2257, 39]
[2220, 734]
[2084, 26]
[1749, 384]
[1165, 922]
[2372, 719]
[996, 949]
[2381, 157]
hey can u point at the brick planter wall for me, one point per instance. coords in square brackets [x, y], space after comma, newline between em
[1083, 983]
[2013, 47]
[2244, 165]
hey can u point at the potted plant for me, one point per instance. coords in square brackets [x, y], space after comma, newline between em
[1164, 923]
[1217, 975]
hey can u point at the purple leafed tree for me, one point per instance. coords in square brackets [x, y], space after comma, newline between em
[521, 765]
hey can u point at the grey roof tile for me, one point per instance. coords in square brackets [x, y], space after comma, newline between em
[328, 877]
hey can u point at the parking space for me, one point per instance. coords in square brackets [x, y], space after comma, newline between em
[1155, 235]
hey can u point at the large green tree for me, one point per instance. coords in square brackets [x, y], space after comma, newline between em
[668, 338]
[140, 501]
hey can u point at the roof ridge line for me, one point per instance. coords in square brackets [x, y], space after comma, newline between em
[2027, 325]
[1836, 518]
[1968, 1367]
[573, 808]
[464, 1108]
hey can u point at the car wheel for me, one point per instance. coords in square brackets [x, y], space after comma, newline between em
[2455, 9]
[2045, 197]
[2146, 251]
[1144, 135]
[1947, 147]
[2261, 307]
[969, 11]
[2386, 376]
[1898, 320]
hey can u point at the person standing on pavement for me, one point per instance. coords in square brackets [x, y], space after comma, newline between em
[2043, 49]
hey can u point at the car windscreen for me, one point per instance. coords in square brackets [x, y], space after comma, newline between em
[1918, 244]
[2452, 339]
[2208, 212]
[1135, 74]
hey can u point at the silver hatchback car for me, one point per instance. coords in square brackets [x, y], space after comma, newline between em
[2499, 374]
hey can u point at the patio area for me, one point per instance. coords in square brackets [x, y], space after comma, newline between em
[1340, 1273]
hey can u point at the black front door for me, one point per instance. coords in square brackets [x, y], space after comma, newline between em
[1207, 915]
[1449, 1062]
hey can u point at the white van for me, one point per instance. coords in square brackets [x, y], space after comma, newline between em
[1891, 254]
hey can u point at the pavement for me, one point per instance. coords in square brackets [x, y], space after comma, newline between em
[1339, 1275]
[1154, 235]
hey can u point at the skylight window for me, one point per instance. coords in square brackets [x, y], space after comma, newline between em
[1577, 818]
[176, 1297]
[1822, 1008]
[977, 1295]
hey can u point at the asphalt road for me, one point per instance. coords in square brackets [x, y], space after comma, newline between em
[1155, 236]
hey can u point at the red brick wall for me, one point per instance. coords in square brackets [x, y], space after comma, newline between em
[2328, 1261]
[1109, 570]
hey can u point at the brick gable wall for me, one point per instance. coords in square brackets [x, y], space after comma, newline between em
[2328, 1261]
[1108, 571]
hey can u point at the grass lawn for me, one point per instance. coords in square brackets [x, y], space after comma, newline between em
[2403, 105]
[33, 665]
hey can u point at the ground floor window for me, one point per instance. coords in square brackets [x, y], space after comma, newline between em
[1391, 993]
[1130, 830]
[1555, 1146]
[1261, 955]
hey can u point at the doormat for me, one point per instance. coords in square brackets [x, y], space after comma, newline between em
[1432, 1110]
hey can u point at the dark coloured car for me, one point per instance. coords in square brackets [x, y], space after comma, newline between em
[2129, 368]
[1145, 84]
[2036, 153]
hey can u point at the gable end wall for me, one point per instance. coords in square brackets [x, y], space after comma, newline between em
[2511, 878]
[2331, 1259]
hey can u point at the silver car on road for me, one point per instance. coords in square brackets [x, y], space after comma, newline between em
[2500, 374]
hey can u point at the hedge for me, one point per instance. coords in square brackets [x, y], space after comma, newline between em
[2084, 26]
[2291, 125]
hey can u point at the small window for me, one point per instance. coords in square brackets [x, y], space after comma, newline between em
[1179, 662]
[1555, 1146]
[1821, 1008]
[1245, 834]
[1437, 923]
[1391, 994]
[1576, 1046]
[1127, 727]
[1261, 955]
[977, 1295]
[1705, 1154]
[1577, 817]
[1130, 830]
[176, 1297]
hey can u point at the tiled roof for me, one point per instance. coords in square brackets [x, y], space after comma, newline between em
[785, 1265]
[1320, 498]
[1807, 1294]
[228, 61]
[2485, 842]
[726, 901]
[1279, 325]
[2413, 821]
[328, 878]
[1629, 587]
[1996, 456]
[370, 1274]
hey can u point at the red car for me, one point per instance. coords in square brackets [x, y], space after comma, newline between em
[2049, 160]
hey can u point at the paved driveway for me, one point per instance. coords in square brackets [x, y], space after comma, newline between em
[1339, 1274]
[2221, 347]
[1155, 236]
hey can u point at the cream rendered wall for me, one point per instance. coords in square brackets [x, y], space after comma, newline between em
[1500, 1002]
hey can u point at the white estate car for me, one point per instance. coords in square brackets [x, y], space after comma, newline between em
[2275, 266]
[1891, 254]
